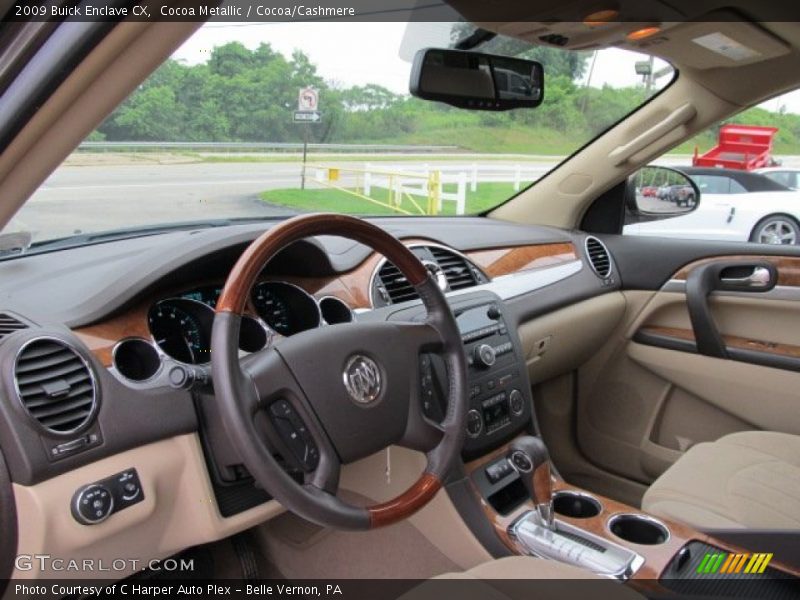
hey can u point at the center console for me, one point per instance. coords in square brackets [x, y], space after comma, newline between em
[535, 513]
[499, 393]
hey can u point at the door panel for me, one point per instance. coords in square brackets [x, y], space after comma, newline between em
[653, 391]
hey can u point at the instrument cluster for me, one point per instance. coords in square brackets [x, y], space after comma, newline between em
[181, 325]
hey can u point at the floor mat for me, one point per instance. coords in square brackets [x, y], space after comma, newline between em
[299, 549]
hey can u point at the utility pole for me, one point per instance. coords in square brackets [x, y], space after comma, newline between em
[649, 78]
[588, 81]
[305, 153]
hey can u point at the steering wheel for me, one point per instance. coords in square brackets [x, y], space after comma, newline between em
[333, 395]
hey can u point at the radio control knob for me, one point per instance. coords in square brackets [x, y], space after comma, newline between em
[484, 356]
[474, 423]
[493, 313]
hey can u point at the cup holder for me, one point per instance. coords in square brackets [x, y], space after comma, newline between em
[638, 529]
[576, 505]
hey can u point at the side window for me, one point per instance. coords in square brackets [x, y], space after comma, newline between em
[782, 177]
[712, 184]
[736, 187]
[733, 164]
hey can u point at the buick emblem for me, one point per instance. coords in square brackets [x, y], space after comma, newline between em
[362, 379]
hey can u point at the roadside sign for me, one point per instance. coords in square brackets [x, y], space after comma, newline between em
[301, 116]
[308, 100]
[643, 67]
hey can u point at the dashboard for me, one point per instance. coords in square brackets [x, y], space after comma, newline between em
[139, 314]
[134, 321]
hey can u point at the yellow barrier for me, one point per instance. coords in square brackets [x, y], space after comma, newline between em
[430, 184]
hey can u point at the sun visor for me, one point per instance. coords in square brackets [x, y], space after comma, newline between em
[714, 43]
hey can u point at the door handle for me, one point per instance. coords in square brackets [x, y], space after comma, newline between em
[750, 276]
[759, 278]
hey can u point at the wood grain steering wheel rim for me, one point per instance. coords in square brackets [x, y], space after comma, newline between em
[245, 390]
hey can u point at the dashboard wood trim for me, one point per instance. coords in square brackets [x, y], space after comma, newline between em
[504, 261]
[657, 557]
[352, 287]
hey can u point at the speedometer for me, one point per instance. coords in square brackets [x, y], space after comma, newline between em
[181, 328]
[285, 308]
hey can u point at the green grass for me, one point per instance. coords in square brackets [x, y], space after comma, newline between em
[330, 200]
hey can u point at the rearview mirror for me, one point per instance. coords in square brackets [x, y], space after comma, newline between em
[476, 81]
[656, 193]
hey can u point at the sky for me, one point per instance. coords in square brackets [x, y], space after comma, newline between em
[359, 53]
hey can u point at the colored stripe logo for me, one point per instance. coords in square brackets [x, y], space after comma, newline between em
[728, 563]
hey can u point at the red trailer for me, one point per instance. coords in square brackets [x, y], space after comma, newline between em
[743, 147]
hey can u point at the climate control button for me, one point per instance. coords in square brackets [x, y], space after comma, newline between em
[516, 402]
[474, 423]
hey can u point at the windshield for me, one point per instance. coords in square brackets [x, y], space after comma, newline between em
[267, 120]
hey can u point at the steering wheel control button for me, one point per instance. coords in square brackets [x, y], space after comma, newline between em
[484, 356]
[96, 502]
[430, 407]
[92, 504]
[474, 423]
[522, 462]
[295, 435]
[516, 402]
[180, 377]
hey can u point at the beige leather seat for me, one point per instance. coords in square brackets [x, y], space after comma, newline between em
[744, 480]
[522, 578]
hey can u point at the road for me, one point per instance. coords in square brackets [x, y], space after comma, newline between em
[96, 198]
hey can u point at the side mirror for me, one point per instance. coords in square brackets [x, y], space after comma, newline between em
[476, 81]
[654, 193]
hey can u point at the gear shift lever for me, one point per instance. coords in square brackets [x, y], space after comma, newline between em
[530, 458]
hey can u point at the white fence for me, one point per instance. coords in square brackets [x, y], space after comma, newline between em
[462, 176]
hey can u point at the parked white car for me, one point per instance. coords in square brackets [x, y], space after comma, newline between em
[734, 206]
[788, 177]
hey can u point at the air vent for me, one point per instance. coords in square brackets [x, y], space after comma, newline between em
[55, 385]
[599, 257]
[393, 287]
[456, 268]
[397, 287]
[9, 325]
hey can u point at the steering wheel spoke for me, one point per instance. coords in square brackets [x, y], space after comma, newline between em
[326, 476]
[422, 432]
[425, 336]
[291, 424]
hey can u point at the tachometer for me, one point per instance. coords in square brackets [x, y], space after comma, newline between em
[181, 328]
[285, 308]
